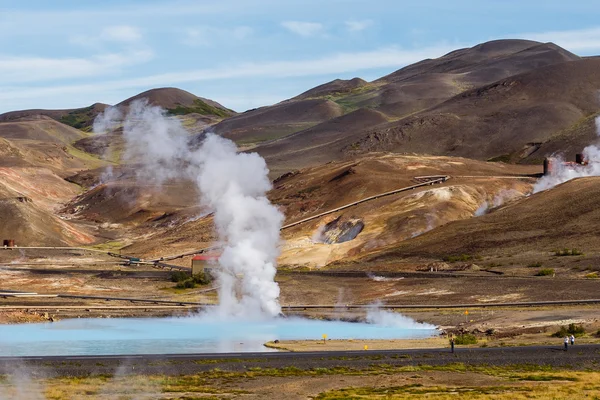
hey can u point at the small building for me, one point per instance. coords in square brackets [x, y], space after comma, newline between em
[204, 263]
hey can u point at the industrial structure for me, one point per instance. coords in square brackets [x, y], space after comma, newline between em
[550, 163]
[205, 264]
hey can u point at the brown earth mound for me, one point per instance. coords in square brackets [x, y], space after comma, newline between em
[80, 118]
[43, 142]
[433, 107]
[29, 201]
[382, 222]
[132, 202]
[268, 123]
[510, 118]
[391, 219]
[546, 221]
[169, 98]
[318, 144]
[334, 88]
[40, 128]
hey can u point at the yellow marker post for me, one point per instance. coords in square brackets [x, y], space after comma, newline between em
[366, 347]
[324, 338]
[466, 315]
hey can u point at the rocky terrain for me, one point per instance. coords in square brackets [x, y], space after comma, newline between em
[484, 117]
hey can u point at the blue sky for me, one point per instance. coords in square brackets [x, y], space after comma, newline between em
[248, 53]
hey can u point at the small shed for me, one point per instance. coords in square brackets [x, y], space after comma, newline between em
[204, 263]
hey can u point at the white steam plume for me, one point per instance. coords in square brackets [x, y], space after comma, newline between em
[562, 172]
[378, 316]
[499, 199]
[158, 143]
[104, 123]
[107, 121]
[233, 185]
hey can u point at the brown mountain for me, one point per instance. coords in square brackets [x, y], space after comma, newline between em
[272, 122]
[453, 105]
[510, 119]
[80, 118]
[176, 101]
[539, 224]
[43, 142]
[179, 102]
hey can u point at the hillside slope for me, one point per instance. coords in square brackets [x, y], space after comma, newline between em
[272, 122]
[79, 118]
[542, 222]
[29, 202]
[42, 141]
[422, 94]
[510, 118]
[179, 102]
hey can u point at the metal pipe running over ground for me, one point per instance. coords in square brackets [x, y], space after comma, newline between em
[312, 306]
[424, 181]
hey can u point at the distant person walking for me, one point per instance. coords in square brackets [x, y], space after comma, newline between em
[566, 343]
[572, 340]
[452, 344]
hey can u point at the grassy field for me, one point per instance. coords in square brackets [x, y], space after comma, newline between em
[375, 382]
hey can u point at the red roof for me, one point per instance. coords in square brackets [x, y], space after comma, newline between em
[205, 257]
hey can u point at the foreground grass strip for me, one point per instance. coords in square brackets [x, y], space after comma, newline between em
[507, 382]
[540, 385]
[417, 391]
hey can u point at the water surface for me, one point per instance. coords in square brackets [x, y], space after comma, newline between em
[101, 336]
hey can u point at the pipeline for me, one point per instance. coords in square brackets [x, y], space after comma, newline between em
[158, 262]
[424, 181]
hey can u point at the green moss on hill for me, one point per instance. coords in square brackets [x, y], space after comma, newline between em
[82, 118]
[200, 107]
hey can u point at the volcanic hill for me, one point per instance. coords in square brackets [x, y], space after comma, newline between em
[473, 115]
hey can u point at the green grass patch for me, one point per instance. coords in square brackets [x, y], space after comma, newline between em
[466, 338]
[185, 281]
[92, 160]
[418, 390]
[80, 119]
[456, 258]
[572, 329]
[545, 272]
[200, 107]
[505, 158]
[568, 253]
[114, 245]
[592, 275]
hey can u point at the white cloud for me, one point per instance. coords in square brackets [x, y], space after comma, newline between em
[357, 26]
[208, 35]
[584, 40]
[335, 64]
[31, 69]
[305, 29]
[121, 33]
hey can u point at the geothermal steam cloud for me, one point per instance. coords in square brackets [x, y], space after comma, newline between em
[232, 184]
